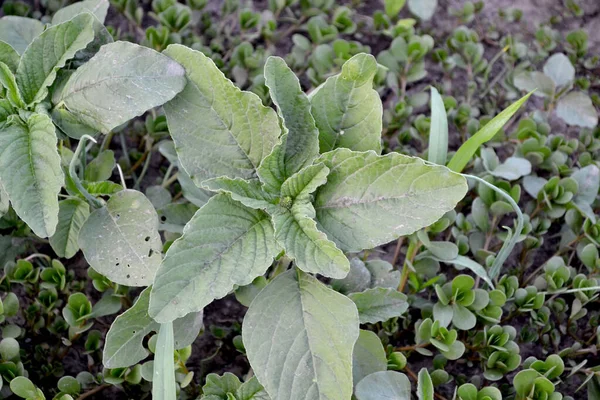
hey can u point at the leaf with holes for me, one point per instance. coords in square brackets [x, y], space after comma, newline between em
[121, 240]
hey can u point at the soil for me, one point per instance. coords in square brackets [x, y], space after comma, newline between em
[218, 355]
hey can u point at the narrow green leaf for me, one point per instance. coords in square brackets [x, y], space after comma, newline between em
[347, 109]
[124, 345]
[8, 81]
[300, 142]
[369, 200]
[72, 215]
[9, 56]
[121, 239]
[225, 244]
[438, 130]
[379, 304]
[218, 129]
[99, 8]
[384, 385]
[163, 381]
[122, 81]
[425, 386]
[48, 53]
[489, 130]
[299, 336]
[18, 32]
[30, 171]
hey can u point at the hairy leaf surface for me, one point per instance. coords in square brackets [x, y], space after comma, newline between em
[121, 240]
[30, 171]
[369, 199]
[225, 244]
[124, 341]
[122, 81]
[299, 336]
[300, 142]
[72, 214]
[296, 229]
[99, 8]
[218, 129]
[379, 304]
[347, 109]
[48, 53]
[18, 32]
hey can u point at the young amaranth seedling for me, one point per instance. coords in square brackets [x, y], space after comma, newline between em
[307, 181]
[88, 84]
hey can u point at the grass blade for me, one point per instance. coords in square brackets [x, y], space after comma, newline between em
[163, 384]
[468, 148]
[438, 130]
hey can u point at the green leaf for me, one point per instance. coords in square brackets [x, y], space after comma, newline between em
[368, 356]
[379, 304]
[225, 244]
[386, 385]
[296, 229]
[30, 171]
[71, 125]
[423, 9]
[393, 7]
[99, 8]
[8, 81]
[218, 129]
[101, 167]
[299, 336]
[300, 141]
[24, 388]
[347, 109]
[489, 130]
[9, 56]
[438, 130]
[369, 200]
[576, 108]
[163, 379]
[124, 341]
[249, 193]
[121, 240]
[531, 80]
[559, 68]
[38, 66]
[18, 32]
[72, 214]
[122, 81]
[425, 386]
[4, 201]
[462, 262]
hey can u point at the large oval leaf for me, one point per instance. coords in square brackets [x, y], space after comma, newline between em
[72, 214]
[49, 52]
[225, 244]
[384, 385]
[576, 108]
[30, 171]
[369, 199]
[121, 240]
[299, 336]
[125, 340]
[368, 356]
[347, 109]
[18, 32]
[122, 81]
[218, 129]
